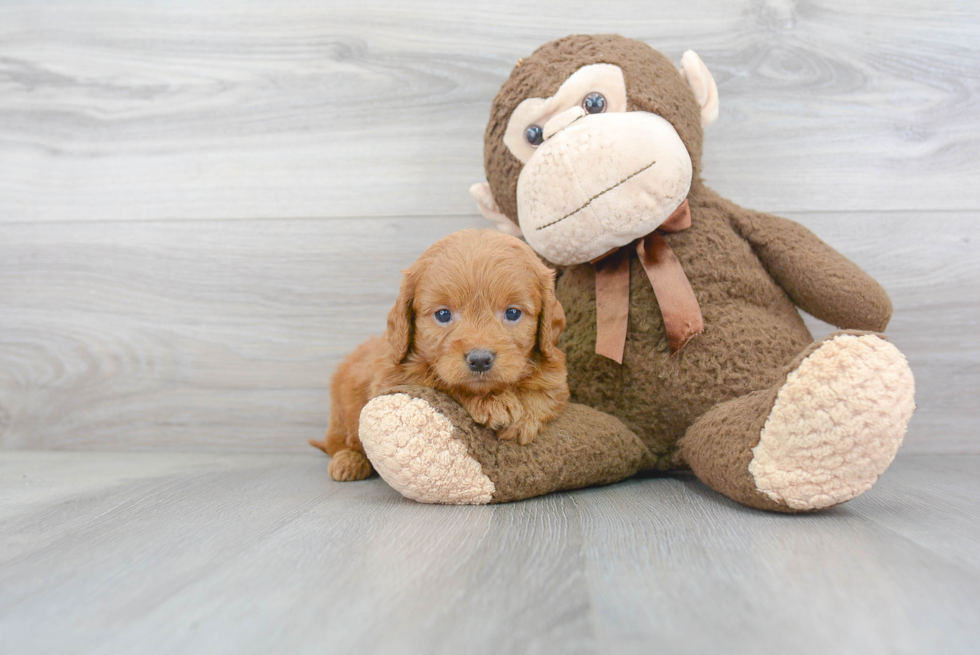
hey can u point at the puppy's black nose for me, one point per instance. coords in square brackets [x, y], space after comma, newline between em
[480, 361]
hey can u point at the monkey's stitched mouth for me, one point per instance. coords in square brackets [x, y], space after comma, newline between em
[598, 195]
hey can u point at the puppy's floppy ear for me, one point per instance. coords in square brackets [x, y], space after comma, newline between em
[551, 322]
[401, 318]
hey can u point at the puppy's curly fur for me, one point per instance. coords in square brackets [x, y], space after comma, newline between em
[456, 300]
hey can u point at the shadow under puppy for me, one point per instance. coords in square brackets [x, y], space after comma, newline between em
[477, 319]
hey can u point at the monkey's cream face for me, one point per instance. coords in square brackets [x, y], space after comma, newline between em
[595, 176]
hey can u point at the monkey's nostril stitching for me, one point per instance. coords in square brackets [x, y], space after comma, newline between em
[589, 201]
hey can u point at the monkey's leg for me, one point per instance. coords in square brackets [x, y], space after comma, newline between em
[428, 448]
[818, 438]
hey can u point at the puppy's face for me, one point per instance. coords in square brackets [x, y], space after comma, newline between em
[478, 310]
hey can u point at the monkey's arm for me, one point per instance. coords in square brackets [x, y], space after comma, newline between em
[820, 280]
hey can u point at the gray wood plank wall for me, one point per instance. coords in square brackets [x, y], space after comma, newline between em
[204, 206]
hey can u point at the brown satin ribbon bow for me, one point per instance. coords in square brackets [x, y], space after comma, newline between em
[679, 306]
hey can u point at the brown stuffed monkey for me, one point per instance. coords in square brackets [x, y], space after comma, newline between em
[684, 343]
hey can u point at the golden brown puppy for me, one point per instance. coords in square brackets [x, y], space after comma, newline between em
[476, 318]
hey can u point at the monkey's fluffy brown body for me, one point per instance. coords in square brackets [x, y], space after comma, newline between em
[593, 143]
[753, 330]
[477, 319]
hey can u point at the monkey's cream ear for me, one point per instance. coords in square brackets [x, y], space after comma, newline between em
[705, 90]
[488, 207]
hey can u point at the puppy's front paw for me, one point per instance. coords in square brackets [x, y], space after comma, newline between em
[349, 465]
[509, 433]
[527, 433]
[523, 431]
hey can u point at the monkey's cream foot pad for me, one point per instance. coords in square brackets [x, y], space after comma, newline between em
[412, 446]
[837, 423]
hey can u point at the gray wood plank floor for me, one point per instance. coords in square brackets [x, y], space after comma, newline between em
[205, 553]
[204, 206]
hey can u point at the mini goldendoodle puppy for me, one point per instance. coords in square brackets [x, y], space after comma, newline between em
[476, 318]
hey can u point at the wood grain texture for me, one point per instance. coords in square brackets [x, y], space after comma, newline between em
[130, 111]
[206, 553]
[718, 577]
[203, 207]
[209, 335]
[181, 334]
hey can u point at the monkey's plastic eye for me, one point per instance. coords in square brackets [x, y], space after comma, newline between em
[594, 103]
[513, 314]
[443, 316]
[534, 135]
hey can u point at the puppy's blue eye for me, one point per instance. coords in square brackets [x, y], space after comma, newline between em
[444, 315]
[512, 314]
